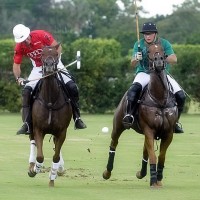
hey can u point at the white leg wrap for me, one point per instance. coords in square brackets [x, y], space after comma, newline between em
[32, 156]
[54, 169]
[61, 165]
[38, 166]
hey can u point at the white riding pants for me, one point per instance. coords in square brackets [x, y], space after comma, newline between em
[144, 78]
[36, 75]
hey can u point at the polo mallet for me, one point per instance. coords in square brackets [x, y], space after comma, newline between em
[78, 58]
[78, 66]
[137, 25]
[77, 61]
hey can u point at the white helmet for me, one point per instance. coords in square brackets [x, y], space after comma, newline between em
[20, 33]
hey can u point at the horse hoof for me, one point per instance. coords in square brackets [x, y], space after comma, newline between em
[156, 186]
[31, 174]
[138, 175]
[106, 174]
[159, 183]
[51, 183]
[61, 173]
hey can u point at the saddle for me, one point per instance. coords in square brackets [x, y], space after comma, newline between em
[146, 99]
[35, 93]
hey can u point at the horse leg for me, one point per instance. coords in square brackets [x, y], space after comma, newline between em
[40, 157]
[149, 144]
[32, 157]
[118, 128]
[161, 158]
[143, 171]
[61, 169]
[56, 158]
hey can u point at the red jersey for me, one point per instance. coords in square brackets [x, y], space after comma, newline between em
[39, 39]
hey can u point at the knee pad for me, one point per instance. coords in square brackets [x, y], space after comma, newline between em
[134, 91]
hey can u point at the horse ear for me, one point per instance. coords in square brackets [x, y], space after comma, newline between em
[58, 45]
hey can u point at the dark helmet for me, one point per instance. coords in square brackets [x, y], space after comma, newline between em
[149, 27]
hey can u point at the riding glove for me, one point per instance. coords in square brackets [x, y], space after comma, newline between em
[20, 81]
[138, 56]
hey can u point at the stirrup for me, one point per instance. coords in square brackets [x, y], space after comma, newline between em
[25, 129]
[128, 121]
[178, 128]
[78, 124]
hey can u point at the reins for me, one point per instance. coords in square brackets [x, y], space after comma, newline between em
[44, 76]
[72, 63]
[159, 73]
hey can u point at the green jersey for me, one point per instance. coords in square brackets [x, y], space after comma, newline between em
[142, 66]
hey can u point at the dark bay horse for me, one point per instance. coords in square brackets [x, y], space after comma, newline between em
[51, 113]
[156, 119]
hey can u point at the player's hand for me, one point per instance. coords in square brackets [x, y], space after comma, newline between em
[21, 81]
[138, 56]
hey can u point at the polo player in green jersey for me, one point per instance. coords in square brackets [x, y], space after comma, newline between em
[140, 62]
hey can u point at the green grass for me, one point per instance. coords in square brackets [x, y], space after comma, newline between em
[83, 179]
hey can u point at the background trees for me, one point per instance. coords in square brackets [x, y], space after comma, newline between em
[105, 35]
[102, 18]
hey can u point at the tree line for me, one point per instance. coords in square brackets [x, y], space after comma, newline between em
[73, 19]
[105, 74]
[105, 35]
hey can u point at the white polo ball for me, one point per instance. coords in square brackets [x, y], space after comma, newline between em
[105, 129]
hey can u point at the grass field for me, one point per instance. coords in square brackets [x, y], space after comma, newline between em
[83, 179]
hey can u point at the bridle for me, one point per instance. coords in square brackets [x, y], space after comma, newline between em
[157, 63]
[50, 60]
[156, 58]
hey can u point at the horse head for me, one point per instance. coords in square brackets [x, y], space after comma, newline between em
[157, 58]
[49, 59]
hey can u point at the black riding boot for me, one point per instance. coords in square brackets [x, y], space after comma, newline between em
[74, 95]
[180, 100]
[132, 98]
[26, 112]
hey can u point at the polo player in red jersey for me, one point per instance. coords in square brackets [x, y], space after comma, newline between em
[30, 44]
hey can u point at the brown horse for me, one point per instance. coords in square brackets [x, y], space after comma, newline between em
[51, 113]
[156, 118]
